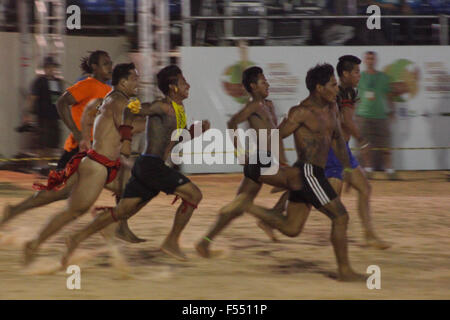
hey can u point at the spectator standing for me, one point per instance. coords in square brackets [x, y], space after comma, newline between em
[374, 114]
[45, 90]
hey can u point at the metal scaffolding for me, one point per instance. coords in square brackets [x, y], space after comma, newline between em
[238, 11]
[48, 33]
[154, 43]
[50, 28]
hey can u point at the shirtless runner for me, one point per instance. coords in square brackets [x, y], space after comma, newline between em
[349, 75]
[150, 175]
[260, 114]
[316, 128]
[75, 105]
[100, 165]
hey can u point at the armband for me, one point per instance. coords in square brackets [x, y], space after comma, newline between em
[125, 132]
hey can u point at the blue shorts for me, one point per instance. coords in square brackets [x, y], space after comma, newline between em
[333, 168]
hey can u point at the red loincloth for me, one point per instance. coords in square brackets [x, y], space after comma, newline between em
[58, 178]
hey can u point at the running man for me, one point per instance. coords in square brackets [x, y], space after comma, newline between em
[73, 101]
[166, 118]
[349, 75]
[316, 129]
[260, 114]
[99, 166]
[85, 94]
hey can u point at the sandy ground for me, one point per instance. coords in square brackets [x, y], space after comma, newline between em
[413, 215]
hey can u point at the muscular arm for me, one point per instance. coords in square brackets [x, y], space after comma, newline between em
[88, 117]
[339, 146]
[282, 153]
[147, 109]
[63, 106]
[291, 123]
[349, 124]
[272, 112]
[130, 119]
[240, 117]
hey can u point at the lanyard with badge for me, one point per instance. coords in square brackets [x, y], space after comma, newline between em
[370, 93]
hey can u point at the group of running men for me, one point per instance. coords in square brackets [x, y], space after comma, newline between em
[104, 120]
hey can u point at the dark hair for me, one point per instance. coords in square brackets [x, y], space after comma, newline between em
[320, 74]
[372, 53]
[121, 71]
[250, 75]
[347, 63]
[93, 58]
[167, 76]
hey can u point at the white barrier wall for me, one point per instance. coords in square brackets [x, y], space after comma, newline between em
[422, 118]
[76, 47]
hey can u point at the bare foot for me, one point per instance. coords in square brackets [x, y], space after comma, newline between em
[124, 233]
[203, 249]
[174, 251]
[71, 245]
[268, 230]
[6, 214]
[377, 243]
[29, 251]
[351, 276]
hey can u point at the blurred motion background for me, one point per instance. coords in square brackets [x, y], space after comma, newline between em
[151, 33]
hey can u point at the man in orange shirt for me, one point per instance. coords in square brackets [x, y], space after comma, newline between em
[70, 107]
[73, 101]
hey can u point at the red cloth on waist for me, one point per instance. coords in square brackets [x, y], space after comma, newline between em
[58, 178]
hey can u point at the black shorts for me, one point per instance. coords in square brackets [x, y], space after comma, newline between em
[316, 189]
[149, 176]
[253, 171]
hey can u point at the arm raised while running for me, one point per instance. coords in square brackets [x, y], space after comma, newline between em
[87, 122]
[242, 116]
[136, 122]
[349, 125]
[339, 146]
[295, 118]
[65, 101]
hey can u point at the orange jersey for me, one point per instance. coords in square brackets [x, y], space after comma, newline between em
[84, 91]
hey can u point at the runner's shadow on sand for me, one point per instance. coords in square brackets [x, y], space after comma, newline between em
[291, 266]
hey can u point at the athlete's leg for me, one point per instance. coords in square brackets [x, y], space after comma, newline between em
[279, 207]
[91, 180]
[191, 197]
[291, 224]
[247, 191]
[126, 208]
[362, 185]
[336, 211]
[286, 177]
[122, 230]
[38, 199]
[336, 184]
